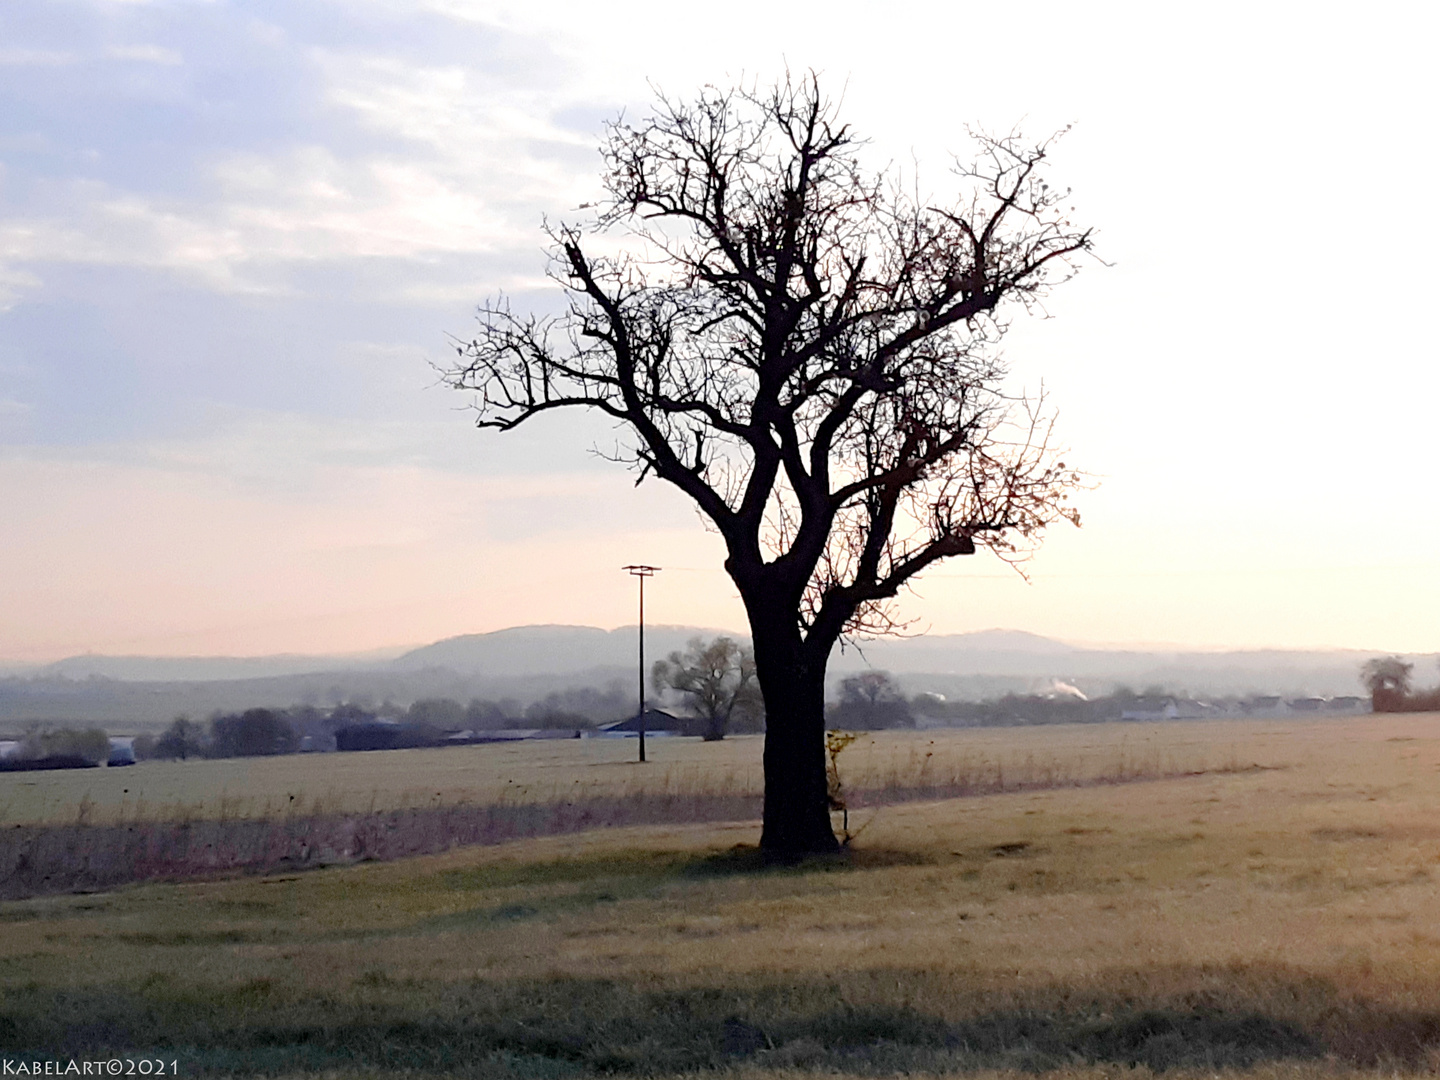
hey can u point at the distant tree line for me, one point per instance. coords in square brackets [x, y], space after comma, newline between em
[1063, 707]
[874, 700]
[709, 686]
[253, 733]
[262, 732]
[1390, 680]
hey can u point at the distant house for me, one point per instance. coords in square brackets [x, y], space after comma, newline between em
[469, 735]
[657, 722]
[383, 735]
[1345, 705]
[1151, 709]
[12, 763]
[122, 752]
[494, 735]
[1266, 705]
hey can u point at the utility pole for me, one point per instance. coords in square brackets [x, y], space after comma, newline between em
[642, 571]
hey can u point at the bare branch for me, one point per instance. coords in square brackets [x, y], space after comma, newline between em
[802, 346]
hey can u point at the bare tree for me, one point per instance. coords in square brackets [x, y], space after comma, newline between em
[1388, 680]
[717, 679]
[807, 350]
[182, 739]
[872, 699]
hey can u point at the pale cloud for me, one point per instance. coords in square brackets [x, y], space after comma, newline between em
[487, 171]
[37, 58]
[299, 457]
[14, 283]
[480, 134]
[146, 54]
[460, 112]
[291, 456]
[469, 291]
[456, 162]
[308, 206]
[483, 127]
[315, 205]
[107, 228]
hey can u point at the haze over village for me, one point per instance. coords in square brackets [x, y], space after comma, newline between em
[526, 663]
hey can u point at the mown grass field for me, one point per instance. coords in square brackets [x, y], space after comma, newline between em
[1276, 921]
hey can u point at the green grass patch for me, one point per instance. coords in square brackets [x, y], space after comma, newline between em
[576, 1027]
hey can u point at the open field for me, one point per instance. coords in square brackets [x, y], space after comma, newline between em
[550, 770]
[1281, 921]
[71, 840]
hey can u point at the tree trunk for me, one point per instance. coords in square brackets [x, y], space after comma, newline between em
[797, 806]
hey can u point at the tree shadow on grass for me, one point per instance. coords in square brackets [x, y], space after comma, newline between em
[744, 859]
[619, 876]
[663, 867]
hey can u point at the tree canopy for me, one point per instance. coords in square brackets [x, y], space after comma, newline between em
[807, 349]
[717, 680]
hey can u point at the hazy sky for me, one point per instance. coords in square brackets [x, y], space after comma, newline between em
[234, 235]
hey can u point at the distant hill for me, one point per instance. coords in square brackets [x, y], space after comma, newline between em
[205, 668]
[548, 650]
[527, 662]
[534, 650]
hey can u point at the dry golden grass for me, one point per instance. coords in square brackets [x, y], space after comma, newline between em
[545, 771]
[1277, 922]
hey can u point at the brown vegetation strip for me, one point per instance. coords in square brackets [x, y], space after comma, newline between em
[37, 860]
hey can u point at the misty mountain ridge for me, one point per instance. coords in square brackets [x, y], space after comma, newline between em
[526, 663]
[559, 650]
[539, 649]
[200, 668]
[551, 649]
